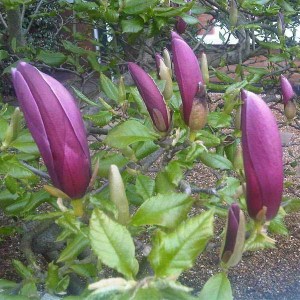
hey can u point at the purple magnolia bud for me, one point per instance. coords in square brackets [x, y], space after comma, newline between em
[189, 78]
[262, 155]
[288, 96]
[287, 90]
[180, 25]
[56, 125]
[152, 97]
[233, 244]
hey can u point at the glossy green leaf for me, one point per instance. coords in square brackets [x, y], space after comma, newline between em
[22, 270]
[52, 278]
[106, 159]
[51, 58]
[10, 165]
[129, 132]
[216, 288]
[136, 6]
[109, 88]
[208, 138]
[175, 252]
[218, 119]
[74, 248]
[85, 270]
[144, 186]
[112, 243]
[166, 210]
[132, 25]
[215, 161]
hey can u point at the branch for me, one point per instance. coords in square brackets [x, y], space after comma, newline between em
[36, 171]
[3, 21]
[35, 12]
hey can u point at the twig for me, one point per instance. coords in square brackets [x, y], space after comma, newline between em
[35, 12]
[36, 171]
[3, 21]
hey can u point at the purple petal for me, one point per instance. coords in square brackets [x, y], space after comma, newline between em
[232, 227]
[57, 127]
[288, 93]
[187, 71]
[152, 97]
[262, 155]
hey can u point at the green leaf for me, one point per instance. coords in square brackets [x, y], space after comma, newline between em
[74, 248]
[132, 25]
[25, 143]
[216, 288]
[137, 6]
[84, 98]
[7, 284]
[175, 252]
[52, 278]
[144, 186]
[85, 270]
[10, 165]
[129, 132]
[208, 138]
[190, 19]
[3, 127]
[109, 88]
[106, 159]
[22, 269]
[51, 58]
[3, 54]
[215, 161]
[113, 244]
[99, 119]
[218, 119]
[166, 210]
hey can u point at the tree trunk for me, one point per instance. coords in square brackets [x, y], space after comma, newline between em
[15, 30]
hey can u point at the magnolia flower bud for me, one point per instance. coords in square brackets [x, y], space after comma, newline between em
[180, 25]
[152, 97]
[233, 244]
[238, 158]
[164, 74]
[55, 123]
[290, 110]
[262, 154]
[118, 195]
[190, 82]
[288, 96]
[12, 130]
[233, 14]
[167, 59]
[204, 68]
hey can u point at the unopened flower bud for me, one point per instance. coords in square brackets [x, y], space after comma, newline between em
[238, 158]
[237, 118]
[167, 59]
[233, 14]
[233, 244]
[204, 68]
[164, 74]
[13, 129]
[180, 25]
[290, 110]
[121, 90]
[262, 154]
[118, 195]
